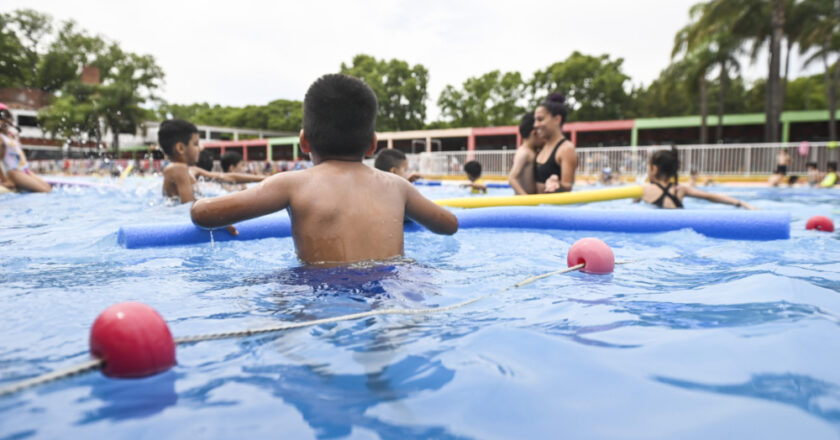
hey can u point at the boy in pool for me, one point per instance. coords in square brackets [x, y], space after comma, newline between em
[473, 170]
[394, 161]
[664, 190]
[342, 211]
[814, 176]
[521, 177]
[179, 141]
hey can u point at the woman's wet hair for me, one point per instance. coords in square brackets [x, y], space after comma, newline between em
[556, 105]
[667, 164]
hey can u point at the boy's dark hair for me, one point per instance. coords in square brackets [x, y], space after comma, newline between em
[831, 166]
[667, 164]
[230, 159]
[205, 160]
[556, 105]
[172, 131]
[811, 165]
[473, 169]
[526, 125]
[388, 158]
[339, 116]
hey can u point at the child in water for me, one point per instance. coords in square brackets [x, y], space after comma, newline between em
[394, 161]
[14, 170]
[664, 190]
[360, 217]
[473, 170]
[830, 178]
[179, 141]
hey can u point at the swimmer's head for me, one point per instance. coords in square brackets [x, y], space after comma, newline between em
[391, 161]
[811, 166]
[339, 118]
[550, 116]
[831, 167]
[230, 162]
[664, 165]
[179, 140]
[473, 169]
[205, 160]
[5, 114]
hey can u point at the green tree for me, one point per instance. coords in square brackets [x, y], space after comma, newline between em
[594, 86]
[491, 99]
[399, 87]
[822, 37]
[707, 48]
[756, 23]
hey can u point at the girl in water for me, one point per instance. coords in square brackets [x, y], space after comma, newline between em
[555, 164]
[14, 170]
[664, 190]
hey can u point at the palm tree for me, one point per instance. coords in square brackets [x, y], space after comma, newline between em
[755, 23]
[823, 37]
[706, 48]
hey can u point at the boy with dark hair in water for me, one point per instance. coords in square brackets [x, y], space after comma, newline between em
[341, 210]
[830, 178]
[473, 170]
[232, 162]
[521, 176]
[179, 141]
[394, 161]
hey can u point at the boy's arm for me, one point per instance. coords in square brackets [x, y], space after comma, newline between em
[519, 161]
[429, 214]
[270, 196]
[227, 177]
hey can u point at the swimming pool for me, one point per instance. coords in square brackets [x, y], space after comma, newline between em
[701, 338]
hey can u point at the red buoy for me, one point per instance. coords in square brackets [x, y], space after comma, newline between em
[133, 340]
[820, 223]
[596, 256]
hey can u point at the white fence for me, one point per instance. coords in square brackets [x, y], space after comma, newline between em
[716, 159]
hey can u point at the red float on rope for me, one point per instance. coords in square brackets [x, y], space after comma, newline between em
[133, 340]
[596, 256]
[820, 223]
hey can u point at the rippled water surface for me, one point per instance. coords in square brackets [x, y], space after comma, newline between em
[698, 338]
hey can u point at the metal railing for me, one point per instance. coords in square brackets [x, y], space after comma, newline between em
[711, 160]
[715, 160]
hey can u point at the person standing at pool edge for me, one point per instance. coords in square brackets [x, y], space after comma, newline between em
[179, 141]
[555, 164]
[521, 177]
[341, 210]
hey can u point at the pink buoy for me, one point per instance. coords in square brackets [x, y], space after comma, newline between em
[133, 340]
[596, 256]
[804, 148]
[820, 223]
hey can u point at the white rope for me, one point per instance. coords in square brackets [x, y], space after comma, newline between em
[94, 364]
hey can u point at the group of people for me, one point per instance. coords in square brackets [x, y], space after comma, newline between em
[815, 178]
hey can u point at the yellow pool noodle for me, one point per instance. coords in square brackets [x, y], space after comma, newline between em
[567, 198]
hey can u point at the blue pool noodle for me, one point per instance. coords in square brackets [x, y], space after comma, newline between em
[729, 224]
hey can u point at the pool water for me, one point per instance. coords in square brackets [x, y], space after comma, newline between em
[697, 338]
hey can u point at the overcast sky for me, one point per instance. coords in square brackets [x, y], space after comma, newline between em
[252, 52]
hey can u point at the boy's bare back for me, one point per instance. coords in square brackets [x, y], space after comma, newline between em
[341, 211]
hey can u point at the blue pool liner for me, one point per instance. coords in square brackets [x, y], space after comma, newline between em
[736, 225]
[423, 182]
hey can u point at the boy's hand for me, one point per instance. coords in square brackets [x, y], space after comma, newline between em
[232, 230]
[414, 176]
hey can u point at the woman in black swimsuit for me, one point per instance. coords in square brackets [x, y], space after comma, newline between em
[664, 190]
[555, 164]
